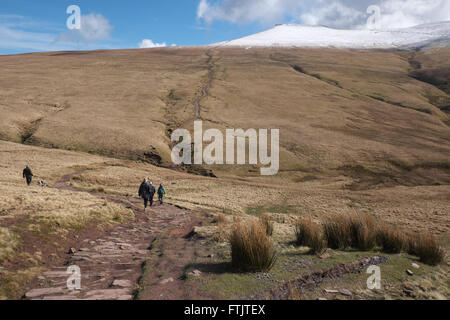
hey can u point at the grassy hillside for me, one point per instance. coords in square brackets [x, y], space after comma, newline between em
[336, 109]
[110, 103]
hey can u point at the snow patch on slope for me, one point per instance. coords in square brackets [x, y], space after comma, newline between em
[319, 36]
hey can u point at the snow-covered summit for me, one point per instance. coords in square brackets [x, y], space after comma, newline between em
[289, 35]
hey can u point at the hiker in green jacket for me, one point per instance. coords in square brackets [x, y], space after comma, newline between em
[161, 193]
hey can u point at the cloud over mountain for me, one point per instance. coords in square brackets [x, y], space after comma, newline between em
[334, 13]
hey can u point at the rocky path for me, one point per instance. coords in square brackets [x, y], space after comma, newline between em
[111, 265]
[170, 263]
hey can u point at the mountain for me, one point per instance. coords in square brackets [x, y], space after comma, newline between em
[335, 108]
[290, 35]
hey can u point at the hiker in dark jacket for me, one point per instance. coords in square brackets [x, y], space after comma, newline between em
[145, 193]
[161, 193]
[27, 174]
[152, 193]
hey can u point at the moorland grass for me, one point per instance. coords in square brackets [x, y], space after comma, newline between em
[252, 249]
[310, 234]
[267, 223]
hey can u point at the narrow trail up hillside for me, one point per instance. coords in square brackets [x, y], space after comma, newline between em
[204, 90]
[206, 87]
[111, 265]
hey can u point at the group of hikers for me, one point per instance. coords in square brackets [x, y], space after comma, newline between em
[146, 190]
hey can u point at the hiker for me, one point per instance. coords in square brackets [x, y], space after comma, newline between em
[144, 193]
[152, 193]
[161, 193]
[27, 174]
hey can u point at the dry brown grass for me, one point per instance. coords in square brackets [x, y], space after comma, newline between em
[411, 243]
[123, 115]
[345, 231]
[267, 222]
[302, 232]
[37, 216]
[389, 239]
[338, 232]
[323, 125]
[428, 250]
[13, 282]
[252, 249]
[9, 241]
[310, 234]
[363, 232]
[325, 130]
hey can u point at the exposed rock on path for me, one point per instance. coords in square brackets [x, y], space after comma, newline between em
[110, 265]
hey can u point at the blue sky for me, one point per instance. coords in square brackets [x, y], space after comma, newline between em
[40, 25]
[30, 25]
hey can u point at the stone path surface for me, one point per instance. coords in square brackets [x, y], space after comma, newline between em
[111, 265]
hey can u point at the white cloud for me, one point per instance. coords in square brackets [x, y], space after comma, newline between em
[333, 13]
[16, 32]
[147, 43]
[94, 27]
[401, 13]
[241, 11]
[23, 34]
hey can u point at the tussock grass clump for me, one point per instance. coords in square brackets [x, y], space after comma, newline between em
[362, 233]
[317, 243]
[302, 232]
[363, 230]
[310, 235]
[410, 243]
[267, 223]
[338, 232]
[390, 240]
[251, 248]
[428, 250]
